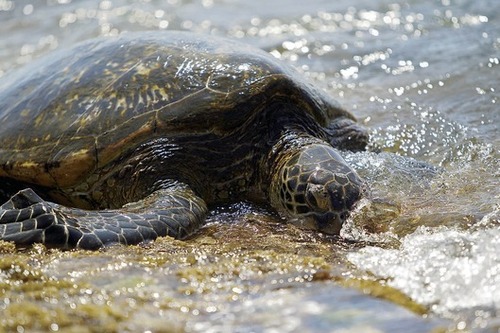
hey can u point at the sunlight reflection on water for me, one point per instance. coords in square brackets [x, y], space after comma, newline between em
[423, 75]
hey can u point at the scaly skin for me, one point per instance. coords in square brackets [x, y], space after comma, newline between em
[26, 219]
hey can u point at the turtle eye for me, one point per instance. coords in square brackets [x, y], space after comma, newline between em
[311, 199]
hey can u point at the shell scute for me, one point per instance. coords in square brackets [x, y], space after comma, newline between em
[77, 110]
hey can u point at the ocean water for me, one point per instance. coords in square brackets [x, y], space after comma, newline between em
[422, 75]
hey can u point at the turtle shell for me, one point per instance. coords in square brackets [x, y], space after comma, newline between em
[77, 110]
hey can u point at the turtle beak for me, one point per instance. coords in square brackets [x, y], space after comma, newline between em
[330, 222]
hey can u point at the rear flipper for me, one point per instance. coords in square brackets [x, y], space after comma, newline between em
[347, 134]
[26, 219]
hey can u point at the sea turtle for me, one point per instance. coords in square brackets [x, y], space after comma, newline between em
[122, 140]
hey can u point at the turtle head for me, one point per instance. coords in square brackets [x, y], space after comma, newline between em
[316, 188]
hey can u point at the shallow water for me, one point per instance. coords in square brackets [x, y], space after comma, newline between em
[423, 75]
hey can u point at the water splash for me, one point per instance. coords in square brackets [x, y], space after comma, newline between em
[461, 270]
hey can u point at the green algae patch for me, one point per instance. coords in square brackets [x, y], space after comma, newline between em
[33, 300]
[235, 260]
[29, 315]
[248, 272]
[379, 290]
[7, 247]
[18, 276]
[165, 285]
[82, 318]
[15, 270]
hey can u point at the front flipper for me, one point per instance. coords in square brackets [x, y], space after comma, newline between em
[26, 219]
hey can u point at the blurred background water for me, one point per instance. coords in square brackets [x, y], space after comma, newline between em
[422, 75]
